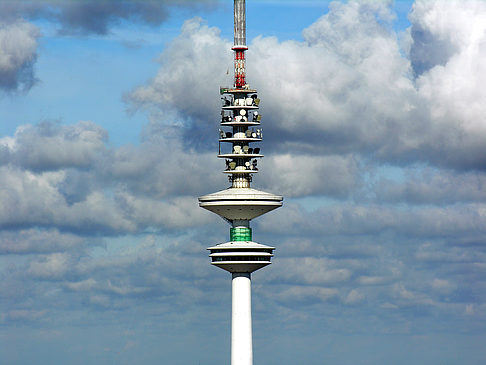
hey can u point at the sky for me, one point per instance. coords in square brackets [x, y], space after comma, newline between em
[374, 133]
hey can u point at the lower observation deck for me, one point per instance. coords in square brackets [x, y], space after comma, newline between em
[241, 256]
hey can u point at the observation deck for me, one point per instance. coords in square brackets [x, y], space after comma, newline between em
[241, 256]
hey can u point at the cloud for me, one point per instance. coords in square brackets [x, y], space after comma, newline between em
[453, 90]
[296, 175]
[19, 38]
[455, 221]
[442, 30]
[66, 177]
[306, 295]
[432, 186]
[97, 17]
[348, 88]
[53, 266]
[185, 91]
[30, 241]
[89, 225]
[309, 271]
[49, 146]
[18, 53]
[354, 297]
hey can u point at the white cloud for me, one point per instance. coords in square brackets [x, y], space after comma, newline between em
[354, 297]
[303, 294]
[38, 241]
[301, 175]
[18, 47]
[49, 146]
[53, 266]
[443, 286]
[347, 88]
[309, 271]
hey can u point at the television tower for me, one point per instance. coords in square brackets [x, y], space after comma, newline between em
[239, 204]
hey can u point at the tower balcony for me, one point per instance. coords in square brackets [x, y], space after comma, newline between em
[235, 123]
[240, 139]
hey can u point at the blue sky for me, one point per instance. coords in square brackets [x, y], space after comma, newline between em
[373, 114]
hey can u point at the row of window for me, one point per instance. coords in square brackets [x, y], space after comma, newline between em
[241, 258]
[241, 249]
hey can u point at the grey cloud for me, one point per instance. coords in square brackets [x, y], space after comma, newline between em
[186, 86]
[30, 241]
[163, 166]
[21, 315]
[354, 297]
[431, 186]
[49, 146]
[66, 177]
[454, 222]
[306, 295]
[18, 38]
[96, 16]
[309, 271]
[296, 175]
[53, 266]
[434, 44]
[427, 51]
[18, 52]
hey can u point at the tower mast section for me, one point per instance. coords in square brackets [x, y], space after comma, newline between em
[240, 43]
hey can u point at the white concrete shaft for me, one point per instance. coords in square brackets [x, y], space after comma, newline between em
[241, 336]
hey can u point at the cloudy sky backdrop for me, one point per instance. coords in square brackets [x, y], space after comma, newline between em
[374, 116]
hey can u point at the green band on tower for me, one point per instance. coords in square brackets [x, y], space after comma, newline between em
[240, 234]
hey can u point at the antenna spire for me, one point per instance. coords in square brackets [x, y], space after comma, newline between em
[240, 43]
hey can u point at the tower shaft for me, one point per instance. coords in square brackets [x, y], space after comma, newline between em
[241, 333]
